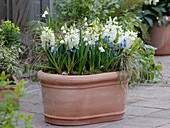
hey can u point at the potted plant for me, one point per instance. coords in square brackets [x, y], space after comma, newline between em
[9, 51]
[86, 78]
[156, 16]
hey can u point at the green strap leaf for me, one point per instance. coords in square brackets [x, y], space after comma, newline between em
[149, 20]
[159, 23]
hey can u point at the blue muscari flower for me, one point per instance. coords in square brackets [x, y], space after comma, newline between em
[111, 44]
[96, 43]
[74, 50]
[106, 38]
[54, 49]
[121, 46]
[68, 52]
[114, 53]
[125, 43]
[56, 55]
[112, 48]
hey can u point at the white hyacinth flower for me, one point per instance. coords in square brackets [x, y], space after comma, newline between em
[45, 13]
[129, 36]
[48, 37]
[71, 38]
[91, 34]
[43, 16]
[110, 29]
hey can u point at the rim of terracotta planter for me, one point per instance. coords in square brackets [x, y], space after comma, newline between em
[74, 80]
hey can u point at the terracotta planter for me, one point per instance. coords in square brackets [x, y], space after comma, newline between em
[79, 100]
[160, 38]
[9, 89]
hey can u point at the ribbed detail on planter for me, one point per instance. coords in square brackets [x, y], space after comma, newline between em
[78, 100]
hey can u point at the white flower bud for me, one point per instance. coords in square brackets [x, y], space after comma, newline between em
[64, 31]
[62, 28]
[46, 13]
[101, 49]
[86, 24]
[62, 42]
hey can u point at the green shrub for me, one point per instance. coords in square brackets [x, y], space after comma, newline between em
[10, 48]
[72, 11]
[9, 33]
[9, 117]
[8, 60]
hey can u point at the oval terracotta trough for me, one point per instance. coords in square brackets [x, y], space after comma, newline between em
[79, 100]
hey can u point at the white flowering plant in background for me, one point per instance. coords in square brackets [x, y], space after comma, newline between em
[150, 2]
[90, 48]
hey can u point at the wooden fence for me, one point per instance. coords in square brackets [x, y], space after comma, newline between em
[22, 11]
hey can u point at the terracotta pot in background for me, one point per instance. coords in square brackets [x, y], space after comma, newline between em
[9, 89]
[160, 38]
[79, 100]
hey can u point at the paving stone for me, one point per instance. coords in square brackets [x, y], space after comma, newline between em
[131, 100]
[33, 98]
[146, 122]
[164, 114]
[157, 104]
[99, 125]
[32, 107]
[140, 111]
[164, 126]
[150, 92]
[121, 126]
